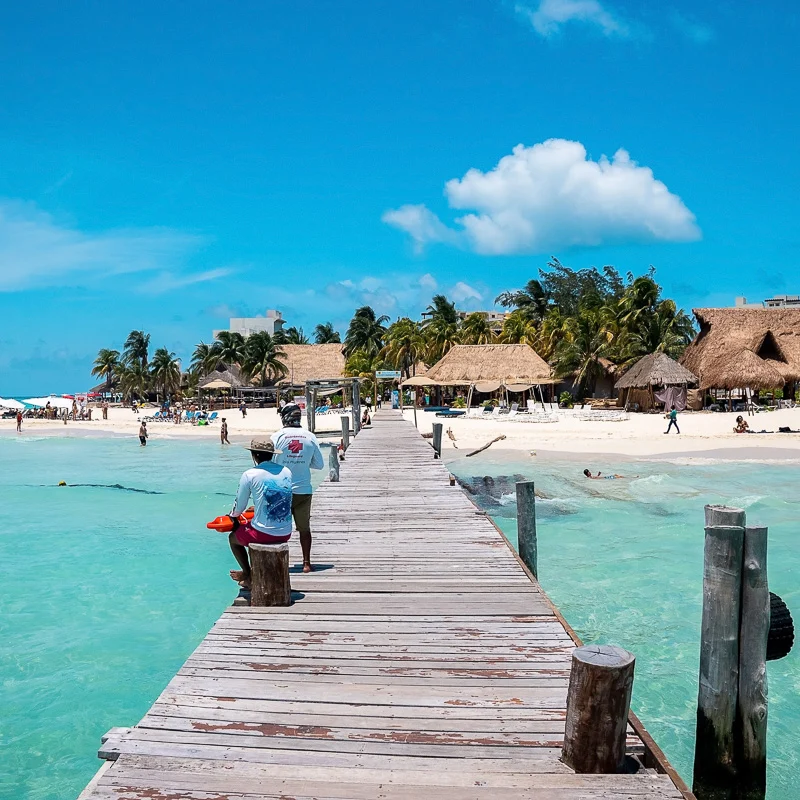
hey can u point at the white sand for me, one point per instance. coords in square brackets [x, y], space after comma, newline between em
[703, 434]
[642, 435]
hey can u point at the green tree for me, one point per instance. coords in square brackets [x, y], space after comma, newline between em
[165, 370]
[518, 328]
[440, 327]
[231, 347]
[325, 333]
[263, 358]
[587, 339]
[405, 346]
[365, 332]
[533, 301]
[134, 379]
[293, 335]
[364, 365]
[475, 329]
[205, 358]
[106, 365]
[136, 348]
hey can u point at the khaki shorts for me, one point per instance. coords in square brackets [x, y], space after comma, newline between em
[301, 511]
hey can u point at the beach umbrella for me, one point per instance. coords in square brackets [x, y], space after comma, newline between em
[218, 383]
[14, 405]
[419, 380]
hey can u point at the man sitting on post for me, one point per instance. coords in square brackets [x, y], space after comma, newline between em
[300, 452]
[270, 486]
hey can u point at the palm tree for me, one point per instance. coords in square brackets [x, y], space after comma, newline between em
[136, 347]
[106, 365]
[205, 358]
[549, 333]
[231, 347]
[134, 379]
[475, 329]
[263, 357]
[293, 335]
[440, 309]
[364, 365]
[324, 333]
[365, 332]
[588, 338]
[518, 329]
[166, 371]
[533, 301]
[405, 345]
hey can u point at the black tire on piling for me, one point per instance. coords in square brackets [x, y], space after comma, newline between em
[781, 629]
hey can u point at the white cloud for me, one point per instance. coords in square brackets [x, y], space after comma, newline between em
[550, 16]
[168, 281]
[427, 281]
[552, 196]
[423, 225]
[464, 293]
[36, 250]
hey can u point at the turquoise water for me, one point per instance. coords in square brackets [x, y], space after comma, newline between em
[104, 592]
[623, 561]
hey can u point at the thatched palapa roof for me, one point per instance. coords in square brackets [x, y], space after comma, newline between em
[770, 337]
[231, 375]
[308, 362]
[508, 363]
[656, 369]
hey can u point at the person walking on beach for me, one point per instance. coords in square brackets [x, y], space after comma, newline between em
[223, 432]
[673, 420]
[143, 434]
[19, 421]
[300, 453]
[243, 408]
[270, 486]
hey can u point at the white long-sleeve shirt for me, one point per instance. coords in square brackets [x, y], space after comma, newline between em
[300, 453]
[270, 486]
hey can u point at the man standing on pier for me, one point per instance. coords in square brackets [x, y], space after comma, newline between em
[300, 453]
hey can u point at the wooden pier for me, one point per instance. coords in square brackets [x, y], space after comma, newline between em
[421, 660]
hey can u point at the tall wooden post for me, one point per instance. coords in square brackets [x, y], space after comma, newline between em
[356, 408]
[345, 433]
[598, 702]
[437, 439]
[714, 756]
[526, 526]
[751, 716]
[309, 410]
[333, 465]
[270, 581]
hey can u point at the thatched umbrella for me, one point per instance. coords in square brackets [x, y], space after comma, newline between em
[311, 362]
[749, 371]
[656, 369]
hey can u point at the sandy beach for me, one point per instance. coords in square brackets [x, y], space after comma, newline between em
[703, 435]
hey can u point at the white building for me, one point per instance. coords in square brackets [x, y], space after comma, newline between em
[272, 322]
[778, 301]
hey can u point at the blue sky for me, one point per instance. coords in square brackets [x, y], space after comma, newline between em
[165, 165]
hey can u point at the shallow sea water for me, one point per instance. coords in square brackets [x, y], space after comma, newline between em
[105, 592]
[623, 560]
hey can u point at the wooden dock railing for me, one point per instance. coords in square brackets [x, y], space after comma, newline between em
[420, 660]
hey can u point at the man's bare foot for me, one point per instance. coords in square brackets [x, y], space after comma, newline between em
[307, 566]
[242, 579]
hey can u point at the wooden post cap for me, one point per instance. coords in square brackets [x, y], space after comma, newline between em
[598, 702]
[724, 515]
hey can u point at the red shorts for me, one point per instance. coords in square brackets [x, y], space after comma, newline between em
[247, 534]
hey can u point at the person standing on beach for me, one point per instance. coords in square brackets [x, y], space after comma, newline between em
[243, 408]
[19, 421]
[143, 434]
[270, 486]
[223, 432]
[300, 453]
[673, 420]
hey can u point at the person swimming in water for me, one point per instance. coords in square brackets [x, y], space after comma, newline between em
[601, 477]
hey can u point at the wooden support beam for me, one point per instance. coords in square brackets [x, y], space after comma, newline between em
[527, 544]
[269, 565]
[714, 756]
[356, 407]
[751, 716]
[333, 464]
[598, 702]
[437, 439]
[345, 433]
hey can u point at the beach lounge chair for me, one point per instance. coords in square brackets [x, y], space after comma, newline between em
[212, 416]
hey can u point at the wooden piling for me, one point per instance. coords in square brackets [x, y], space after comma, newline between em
[345, 433]
[751, 716]
[270, 584]
[333, 464]
[437, 439]
[714, 756]
[598, 702]
[526, 526]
